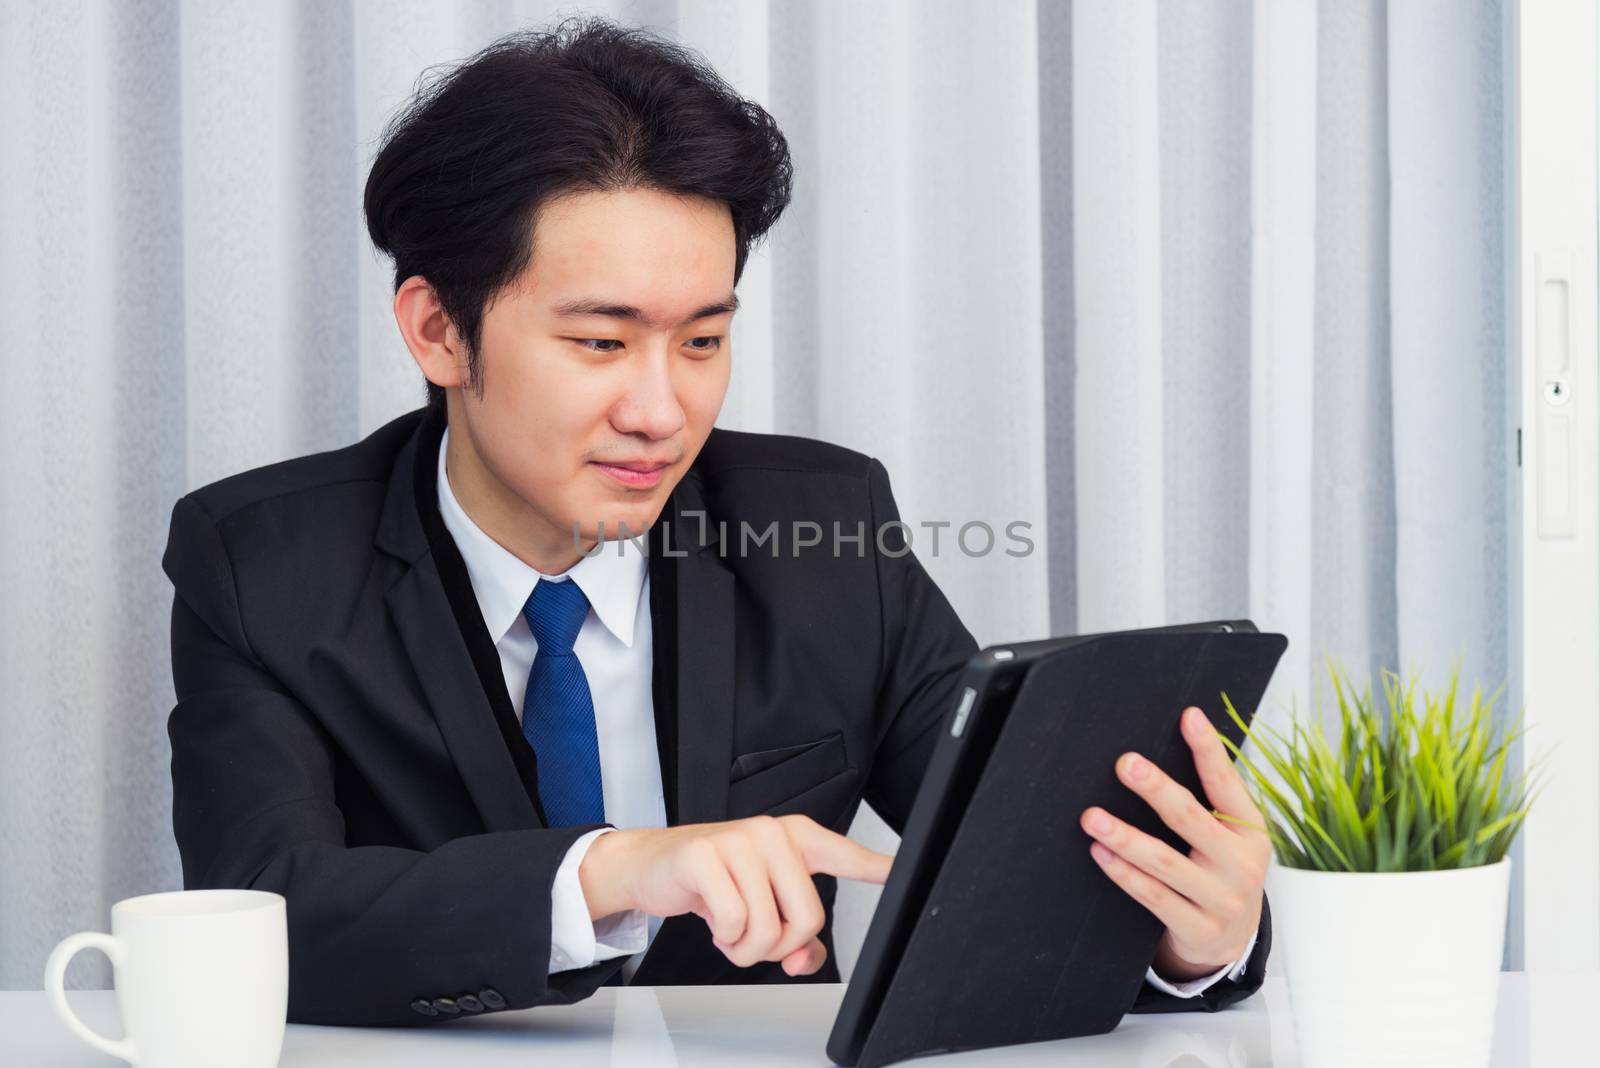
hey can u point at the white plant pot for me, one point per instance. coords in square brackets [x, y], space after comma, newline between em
[1391, 968]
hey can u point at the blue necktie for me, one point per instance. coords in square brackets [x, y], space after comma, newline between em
[558, 712]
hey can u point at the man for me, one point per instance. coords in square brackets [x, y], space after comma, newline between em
[493, 750]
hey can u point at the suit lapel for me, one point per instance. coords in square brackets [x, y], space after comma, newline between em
[420, 612]
[696, 615]
[436, 648]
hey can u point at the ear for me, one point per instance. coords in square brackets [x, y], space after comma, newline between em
[430, 335]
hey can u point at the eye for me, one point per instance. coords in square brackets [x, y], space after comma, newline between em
[587, 341]
[716, 343]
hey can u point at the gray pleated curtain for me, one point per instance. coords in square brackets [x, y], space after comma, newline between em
[1210, 294]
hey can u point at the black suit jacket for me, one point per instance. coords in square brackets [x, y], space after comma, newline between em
[342, 733]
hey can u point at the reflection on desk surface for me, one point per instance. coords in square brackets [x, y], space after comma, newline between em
[1542, 1020]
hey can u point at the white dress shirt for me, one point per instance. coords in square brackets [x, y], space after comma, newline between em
[614, 648]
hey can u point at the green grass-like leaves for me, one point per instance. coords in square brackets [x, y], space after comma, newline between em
[1418, 790]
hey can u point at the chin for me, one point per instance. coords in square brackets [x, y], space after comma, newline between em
[637, 519]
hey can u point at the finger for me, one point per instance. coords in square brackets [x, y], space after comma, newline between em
[1175, 805]
[1157, 859]
[761, 929]
[1185, 920]
[1218, 776]
[798, 902]
[724, 906]
[830, 853]
[807, 959]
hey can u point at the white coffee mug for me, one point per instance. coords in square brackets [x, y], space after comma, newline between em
[202, 978]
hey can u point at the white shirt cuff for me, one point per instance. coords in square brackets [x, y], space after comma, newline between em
[577, 941]
[1193, 988]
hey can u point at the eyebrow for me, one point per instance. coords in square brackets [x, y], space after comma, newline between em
[593, 306]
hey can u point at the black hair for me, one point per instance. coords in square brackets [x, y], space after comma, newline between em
[585, 106]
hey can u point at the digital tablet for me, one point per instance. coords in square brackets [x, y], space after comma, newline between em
[996, 926]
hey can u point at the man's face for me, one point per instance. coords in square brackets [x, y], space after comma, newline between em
[576, 390]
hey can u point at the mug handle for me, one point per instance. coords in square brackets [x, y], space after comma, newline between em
[55, 971]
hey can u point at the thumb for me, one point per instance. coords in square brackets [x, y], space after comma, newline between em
[807, 959]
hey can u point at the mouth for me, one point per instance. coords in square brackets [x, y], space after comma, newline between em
[634, 475]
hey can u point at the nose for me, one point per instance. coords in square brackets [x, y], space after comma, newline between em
[650, 405]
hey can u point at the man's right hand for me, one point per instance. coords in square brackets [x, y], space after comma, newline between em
[749, 879]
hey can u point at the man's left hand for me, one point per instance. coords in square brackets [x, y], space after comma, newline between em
[1210, 899]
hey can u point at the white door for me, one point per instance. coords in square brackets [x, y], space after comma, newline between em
[1554, 84]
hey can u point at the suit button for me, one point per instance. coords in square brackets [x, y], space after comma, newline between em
[424, 1006]
[446, 1006]
[469, 1003]
[491, 998]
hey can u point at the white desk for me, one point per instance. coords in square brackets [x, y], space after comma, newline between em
[1543, 1020]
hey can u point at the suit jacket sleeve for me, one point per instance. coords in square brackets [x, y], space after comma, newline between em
[373, 927]
[1225, 991]
[925, 647]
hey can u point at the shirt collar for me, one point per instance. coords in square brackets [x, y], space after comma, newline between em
[502, 582]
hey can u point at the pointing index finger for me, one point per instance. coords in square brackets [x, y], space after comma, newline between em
[831, 853]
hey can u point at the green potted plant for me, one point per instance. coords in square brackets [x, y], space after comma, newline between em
[1390, 871]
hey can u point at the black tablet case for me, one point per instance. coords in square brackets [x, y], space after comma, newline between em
[1022, 937]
